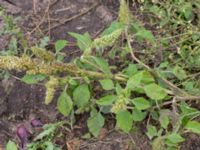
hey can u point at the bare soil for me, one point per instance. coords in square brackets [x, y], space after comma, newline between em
[20, 102]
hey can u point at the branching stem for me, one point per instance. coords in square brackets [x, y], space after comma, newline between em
[178, 93]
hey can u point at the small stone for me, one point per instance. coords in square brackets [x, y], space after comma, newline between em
[22, 134]
[36, 123]
[104, 14]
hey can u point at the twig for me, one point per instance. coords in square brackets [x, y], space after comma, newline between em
[42, 20]
[49, 22]
[62, 9]
[10, 2]
[186, 98]
[174, 106]
[54, 3]
[179, 93]
[98, 32]
[74, 17]
[34, 6]
[133, 142]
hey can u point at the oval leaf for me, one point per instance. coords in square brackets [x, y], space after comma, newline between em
[81, 95]
[175, 138]
[164, 118]
[95, 123]
[106, 100]
[138, 115]
[124, 120]
[151, 131]
[134, 81]
[107, 84]
[64, 104]
[102, 64]
[141, 103]
[60, 44]
[193, 126]
[84, 41]
[11, 146]
[33, 78]
[155, 92]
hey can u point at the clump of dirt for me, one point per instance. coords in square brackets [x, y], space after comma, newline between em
[191, 143]
[18, 104]
[118, 141]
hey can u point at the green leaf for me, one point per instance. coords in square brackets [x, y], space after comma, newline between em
[51, 146]
[147, 77]
[189, 85]
[48, 130]
[13, 46]
[107, 84]
[164, 121]
[72, 82]
[118, 89]
[158, 144]
[106, 100]
[95, 123]
[107, 40]
[170, 147]
[151, 131]
[114, 26]
[134, 81]
[179, 73]
[64, 104]
[11, 146]
[175, 138]
[141, 33]
[187, 10]
[60, 44]
[146, 35]
[136, 26]
[48, 145]
[124, 120]
[102, 64]
[33, 78]
[155, 91]
[84, 41]
[142, 77]
[130, 70]
[155, 115]
[60, 57]
[86, 136]
[81, 95]
[193, 126]
[44, 133]
[44, 42]
[138, 115]
[141, 103]
[188, 111]
[105, 109]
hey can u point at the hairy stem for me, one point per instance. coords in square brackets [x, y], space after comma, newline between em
[35, 66]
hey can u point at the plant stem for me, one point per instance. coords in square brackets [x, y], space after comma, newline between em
[35, 66]
[176, 91]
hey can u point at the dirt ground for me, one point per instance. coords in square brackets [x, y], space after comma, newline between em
[54, 18]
